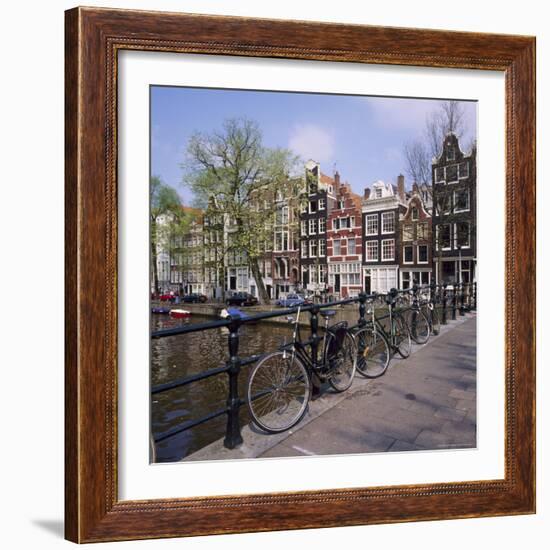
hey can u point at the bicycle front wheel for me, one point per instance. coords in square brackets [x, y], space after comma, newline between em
[373, 352]
[278, 392]
[342, 361]
[402, 337]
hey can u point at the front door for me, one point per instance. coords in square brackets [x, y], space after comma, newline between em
[337, 282]
[367, 284]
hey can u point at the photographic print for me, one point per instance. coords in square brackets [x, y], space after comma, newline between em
[312, 274]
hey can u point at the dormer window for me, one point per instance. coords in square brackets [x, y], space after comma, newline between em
[450, 153]
[378, 193]
[414, 214]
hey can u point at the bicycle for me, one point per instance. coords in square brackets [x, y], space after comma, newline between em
[418, 322]
[375, 345]
[428, 303]
[279, 386]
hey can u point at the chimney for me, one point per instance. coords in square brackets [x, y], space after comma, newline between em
[337, 178]
[401, 187]
[366, 195]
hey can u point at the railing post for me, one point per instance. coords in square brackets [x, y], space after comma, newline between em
[454, 303]
[475, 297]
[362, 309]
[433, 301]
[314, 325]
[444, 308]
[462, 290]
[233, 436]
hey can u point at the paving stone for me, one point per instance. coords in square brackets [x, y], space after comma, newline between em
[434, 440]
[461, 394]
[450, 414]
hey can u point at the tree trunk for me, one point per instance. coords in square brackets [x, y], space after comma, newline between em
[262, 292]
[155, 268]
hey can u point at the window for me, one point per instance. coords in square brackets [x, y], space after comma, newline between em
[406, 279]
[424, 277]
[462, 232]
[378, 193]
[462, 200]
[407, 254]
[284, 215]
[322, 204]
[444, 237]
[312, 224]
[303, 226]
[422, 254]
[444, 204]
[341, 204]
[352, 221]
[452, 173]
[303, 208]
[439, 175]
[322, 247]
[371, 251]
[336, 247]
[463, 170]
[450, 153]
[388, 222]
[312, 207]
[351, 247]
[372, 224]
[322, 225]
[408, 231]
[414, 214]
[313, 249]
[322, 273]
[422, 231]
[388, 249]
[304, 249]
[344, 223]
[465, 271]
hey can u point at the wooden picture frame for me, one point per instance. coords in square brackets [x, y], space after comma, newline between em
[93, 39]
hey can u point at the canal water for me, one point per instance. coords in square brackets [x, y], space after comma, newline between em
[181, 356]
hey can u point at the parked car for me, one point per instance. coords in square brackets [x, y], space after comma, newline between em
[241, 299]
[167, 298]
[292, 300]
[195, 298]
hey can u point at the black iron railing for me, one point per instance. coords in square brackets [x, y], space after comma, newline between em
[458, 297]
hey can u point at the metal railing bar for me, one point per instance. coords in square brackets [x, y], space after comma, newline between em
[190, 424]
[187, 380]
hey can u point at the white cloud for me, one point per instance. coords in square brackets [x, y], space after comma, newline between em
[312, 142]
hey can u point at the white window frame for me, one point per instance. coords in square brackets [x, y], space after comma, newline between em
[322, 230]
[455, 180]
[382, 249]
[312, 243]
[354, 253]
[324, 248]
[303, 228]
[442, 168]
[374, 248]
[467, 164]
[303, 249]
[309, 207]
[391, 215]
[451, 240]
[418, 261]
[456, 235]
[339, 241]
[321, 205]
[412, 254]
[312, 226]
[467, 191]
[370, 217]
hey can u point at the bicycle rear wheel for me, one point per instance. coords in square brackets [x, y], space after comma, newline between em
[373, 352]
[279, 388]
[402, 337]
[419, 327]
[342, 360]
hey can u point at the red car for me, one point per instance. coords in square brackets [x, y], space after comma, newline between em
[167, 297]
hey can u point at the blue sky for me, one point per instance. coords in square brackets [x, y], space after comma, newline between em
[362, 136]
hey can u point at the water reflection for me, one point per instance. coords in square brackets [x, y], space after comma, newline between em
[183, 355]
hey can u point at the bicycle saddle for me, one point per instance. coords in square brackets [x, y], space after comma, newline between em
[328, 312]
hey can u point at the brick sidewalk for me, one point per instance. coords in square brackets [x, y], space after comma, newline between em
[425, 402]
